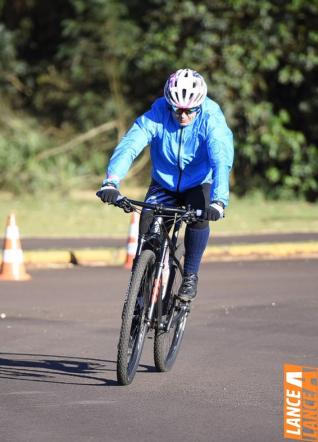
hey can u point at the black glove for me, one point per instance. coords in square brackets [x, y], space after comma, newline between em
[108, 193]
[215, 211]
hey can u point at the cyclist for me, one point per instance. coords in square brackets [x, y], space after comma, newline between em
[191, 149]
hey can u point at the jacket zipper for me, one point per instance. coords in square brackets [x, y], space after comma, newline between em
[179, 165]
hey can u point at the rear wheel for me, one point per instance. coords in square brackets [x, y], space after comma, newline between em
[134, 328]
[167, 343]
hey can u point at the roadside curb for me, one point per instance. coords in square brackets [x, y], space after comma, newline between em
[114, 256]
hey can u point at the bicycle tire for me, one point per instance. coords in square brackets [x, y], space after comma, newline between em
[133, 328]
[167, 343]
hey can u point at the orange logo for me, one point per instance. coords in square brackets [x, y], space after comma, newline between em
[300, 403]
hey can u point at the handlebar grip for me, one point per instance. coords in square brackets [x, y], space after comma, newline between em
[205, 217]
[99, 192]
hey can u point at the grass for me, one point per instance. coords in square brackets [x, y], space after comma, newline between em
[82, 215]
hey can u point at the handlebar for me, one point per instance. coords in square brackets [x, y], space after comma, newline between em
[160, 209]
[187, 214]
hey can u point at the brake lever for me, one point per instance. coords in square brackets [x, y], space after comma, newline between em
[194, 216]
[124, 204]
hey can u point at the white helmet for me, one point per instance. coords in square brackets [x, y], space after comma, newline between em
[185, 89]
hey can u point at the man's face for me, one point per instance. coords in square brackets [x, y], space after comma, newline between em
[184, 116]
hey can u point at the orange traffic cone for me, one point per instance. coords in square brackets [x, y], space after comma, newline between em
[132, 240]
[12, 268]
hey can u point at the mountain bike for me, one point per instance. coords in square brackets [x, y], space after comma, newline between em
[152, 302]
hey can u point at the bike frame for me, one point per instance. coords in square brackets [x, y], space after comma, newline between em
[160, 248]
[160, 242]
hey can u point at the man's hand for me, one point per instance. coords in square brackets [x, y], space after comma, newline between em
[108, 193]
[215, 211]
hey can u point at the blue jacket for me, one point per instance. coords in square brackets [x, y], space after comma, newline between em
[182, 157]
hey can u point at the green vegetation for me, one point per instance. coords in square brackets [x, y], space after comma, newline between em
[70, 66]
[83, 215]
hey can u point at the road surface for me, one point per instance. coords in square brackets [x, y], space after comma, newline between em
[58, 341]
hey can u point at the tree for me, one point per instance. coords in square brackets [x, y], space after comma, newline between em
[257, 57]
[82, 64]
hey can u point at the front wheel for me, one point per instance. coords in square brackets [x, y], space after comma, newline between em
[134, 327]
[167, 342]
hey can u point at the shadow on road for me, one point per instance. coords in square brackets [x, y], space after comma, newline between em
[59, 369]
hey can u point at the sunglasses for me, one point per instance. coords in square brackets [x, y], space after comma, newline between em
[180, 111]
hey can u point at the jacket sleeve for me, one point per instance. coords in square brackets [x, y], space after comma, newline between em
[131, 145]
[221, 153]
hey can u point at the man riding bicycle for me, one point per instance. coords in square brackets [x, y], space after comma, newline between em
[191, 149]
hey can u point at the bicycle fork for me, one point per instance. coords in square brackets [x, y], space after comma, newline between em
[157, 294]
[156, 297]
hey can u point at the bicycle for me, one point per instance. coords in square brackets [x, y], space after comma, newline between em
[151, 302]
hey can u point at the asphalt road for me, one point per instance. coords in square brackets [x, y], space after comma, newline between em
[77, 243]
[58, 351]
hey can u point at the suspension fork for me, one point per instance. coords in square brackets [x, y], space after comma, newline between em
[175, 233]
[156, 294]
[156, 287]
[141, 241]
